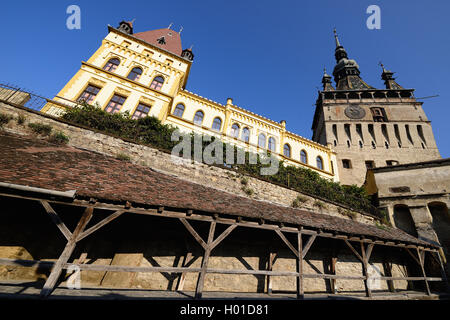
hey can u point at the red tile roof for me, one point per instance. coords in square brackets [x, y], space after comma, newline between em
[38, 163]
[172, 39]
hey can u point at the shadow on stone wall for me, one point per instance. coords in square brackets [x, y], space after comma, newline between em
[139, 240]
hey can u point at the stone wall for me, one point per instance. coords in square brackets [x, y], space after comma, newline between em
[140, 240]
[211, 176]
[145, 243]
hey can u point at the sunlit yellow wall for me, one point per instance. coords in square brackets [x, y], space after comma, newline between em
[155, 62]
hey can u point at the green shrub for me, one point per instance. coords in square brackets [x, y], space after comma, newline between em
[40, 128]
[298, 201]
[319, 204]
[244, 181]
[59, 137]
[4, 119]
[150, 131]
[381, 226]
[123, 157]
[248, 191]
[21, 119]
[384, 217]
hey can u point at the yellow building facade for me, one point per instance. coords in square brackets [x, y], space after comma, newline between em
[146, 74]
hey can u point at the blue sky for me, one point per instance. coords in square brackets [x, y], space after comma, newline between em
[267, 55]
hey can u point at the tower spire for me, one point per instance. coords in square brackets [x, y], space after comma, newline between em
[389, 80]
[346, 72]
[336, 38]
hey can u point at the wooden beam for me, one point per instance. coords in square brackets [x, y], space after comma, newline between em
[223, 235]
[388, 271]
[67, 252]
[113, 268]
[413, 256]
[333, 272]
[300, 289]
[421, 255]
[365, 263]
[100, 224]
[56, 219]
[199, 217]
[354, 251]
[272, 256]
[187, 258]
[286, 241]
[308, 245]
[194, 233]
[201, 277]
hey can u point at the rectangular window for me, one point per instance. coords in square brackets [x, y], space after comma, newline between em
[141, 111]
[115, 104]
[378, 114]
[89, 94]
[370, 164]
[346, 164]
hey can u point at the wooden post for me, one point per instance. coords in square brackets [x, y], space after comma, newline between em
[201, 277]
[186, 260]
[366, 257]
[421, 255]
[271, 261]
[208, 246]
[300, 289]
[333, 271]
[388, 271]
[65, 255]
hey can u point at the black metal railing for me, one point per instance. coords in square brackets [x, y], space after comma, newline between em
[23, 97]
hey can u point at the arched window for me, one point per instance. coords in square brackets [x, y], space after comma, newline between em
[272, 144]
[303, 156]
[157, 83]
[319, 163]
[217, 124]
[261, 140]
[246, 134]
[198, 118]
[135, 74]
[179, 110]
[287, 150]
[235, 130]
[111, 65]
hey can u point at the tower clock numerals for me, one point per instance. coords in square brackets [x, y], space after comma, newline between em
[355, 112]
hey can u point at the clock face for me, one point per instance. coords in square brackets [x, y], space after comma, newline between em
[355, 112]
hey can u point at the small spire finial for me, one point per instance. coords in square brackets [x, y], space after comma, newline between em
[324, 71]
[170, 25]
[191, 47]
[181, 29]
[382, 66]
[336, 38]
[132, 21]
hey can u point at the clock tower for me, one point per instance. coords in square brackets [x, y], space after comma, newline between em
[369, 127]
